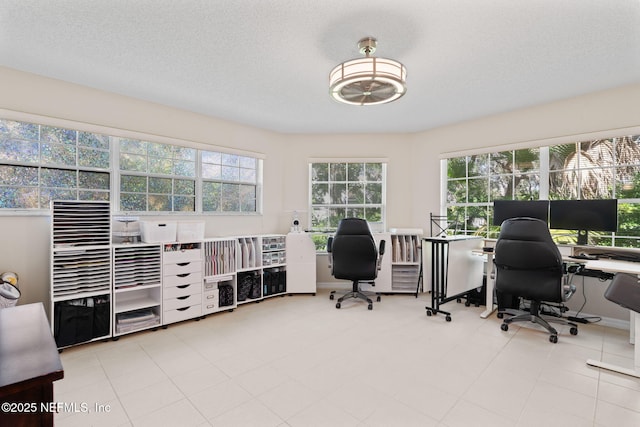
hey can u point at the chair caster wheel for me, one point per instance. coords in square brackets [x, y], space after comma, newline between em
[370, 306]
[504, 327]
[428, 313]
[378, 299]
[458, 300]
[500, 315]
[467, 304]
[331, 297]
[337, 305]
[553, 338]
[448, 318]
[573, 331]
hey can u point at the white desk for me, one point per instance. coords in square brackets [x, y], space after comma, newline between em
[613, 266]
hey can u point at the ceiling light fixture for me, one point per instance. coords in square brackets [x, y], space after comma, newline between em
[369, 80]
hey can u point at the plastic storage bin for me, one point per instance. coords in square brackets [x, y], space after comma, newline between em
[158, 231]
[190, 230]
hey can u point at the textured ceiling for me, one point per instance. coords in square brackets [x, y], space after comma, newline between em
[265, 63]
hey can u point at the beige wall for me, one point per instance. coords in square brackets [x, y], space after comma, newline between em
[413, 188]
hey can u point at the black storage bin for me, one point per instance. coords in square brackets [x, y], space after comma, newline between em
[74, 322]
[225, 295]
[282, 281]
[101, 317]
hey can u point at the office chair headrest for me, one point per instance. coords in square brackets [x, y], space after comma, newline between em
[524, 228]
[353, 226]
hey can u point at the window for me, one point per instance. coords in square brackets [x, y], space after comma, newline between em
[41, 163]
[157, 177]
[229, 182]
[595, 169]
[340, 190]
[474, 182]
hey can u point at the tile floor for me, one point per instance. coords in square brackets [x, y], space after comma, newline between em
[298, 361]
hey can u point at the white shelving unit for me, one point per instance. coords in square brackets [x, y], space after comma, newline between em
[405, 252]
[137, 288]
[249, 282]
[181, 281]
[219, 275]
[274, 265]
[80, 271]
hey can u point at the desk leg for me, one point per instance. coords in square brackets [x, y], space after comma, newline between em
[635, 372]
[490, 288]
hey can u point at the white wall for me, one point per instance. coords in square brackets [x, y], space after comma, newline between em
[414, 159]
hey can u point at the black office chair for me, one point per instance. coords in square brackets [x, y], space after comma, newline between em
[353, 256]
[529, 265]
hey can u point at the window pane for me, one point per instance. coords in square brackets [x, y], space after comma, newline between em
[159, 202]
[338, 171]
[629, 219]
[478, 190]
[211, 171]
[373, 214]
[335, 215]
[248, 175]
[58, 154]
[230, 197]
[58, 135]
[477, 218]
[160, 185]
[18, 175]
[457, 191]
[184, 153]
[527, 187]
[49, 194]
[133, 202]
[18, 197]
[211, 195]
[338, 193]
[133, 146]
[93, 158]
[184, 203]
[320, 172]
[355, 172]
[59, 178]
[596, 183]
[373, 171]
[320, 218]
[93, 195]
[230, 174]
[527, 160]
[17, 150]
[185, 186]
[478, 165]
[184, 168]
[160, 165]
[247, 198]
[211, 157]
[230, 160]
[373, 193]
[501, 163]
[457, 168]
[93, 140]
[628, 182]
[20, 130]
[132, 183]
[320, 193]
[355, 213]
[133, 162]
[356, 193]
[248, 162]
[155, 149]
[93, 180]
[501, 187]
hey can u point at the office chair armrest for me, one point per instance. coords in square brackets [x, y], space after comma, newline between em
[329, 246]
[380, 254]
[570, 269]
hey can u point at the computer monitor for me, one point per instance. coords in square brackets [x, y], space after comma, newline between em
[584, 216]
[505, 209]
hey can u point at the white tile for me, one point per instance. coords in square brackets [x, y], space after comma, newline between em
[180, 413]
[288, 399]
[199, 379]
[150, 399]
[251, 414]
[220, 398]
[321, 414]
[465, 414]
[393, 413]
[620, 396]
[608, 414]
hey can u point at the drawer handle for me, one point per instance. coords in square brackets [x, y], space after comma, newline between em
[183, 286]
[183, 308]
[183, 298]
[183, 274]
[210, 297]
[211, 306]
[183, 264]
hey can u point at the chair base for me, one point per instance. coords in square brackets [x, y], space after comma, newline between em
[355, 293]
[534, 316]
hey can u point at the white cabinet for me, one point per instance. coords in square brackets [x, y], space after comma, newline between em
[274, 265]
[181, 281]
[219, 285]
[80, 271]
[137, 287]
[301, 263]
[405, 253]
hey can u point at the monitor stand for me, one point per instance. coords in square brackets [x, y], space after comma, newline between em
[583, 237]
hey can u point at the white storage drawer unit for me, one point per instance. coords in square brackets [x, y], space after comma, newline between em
[182, 282]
